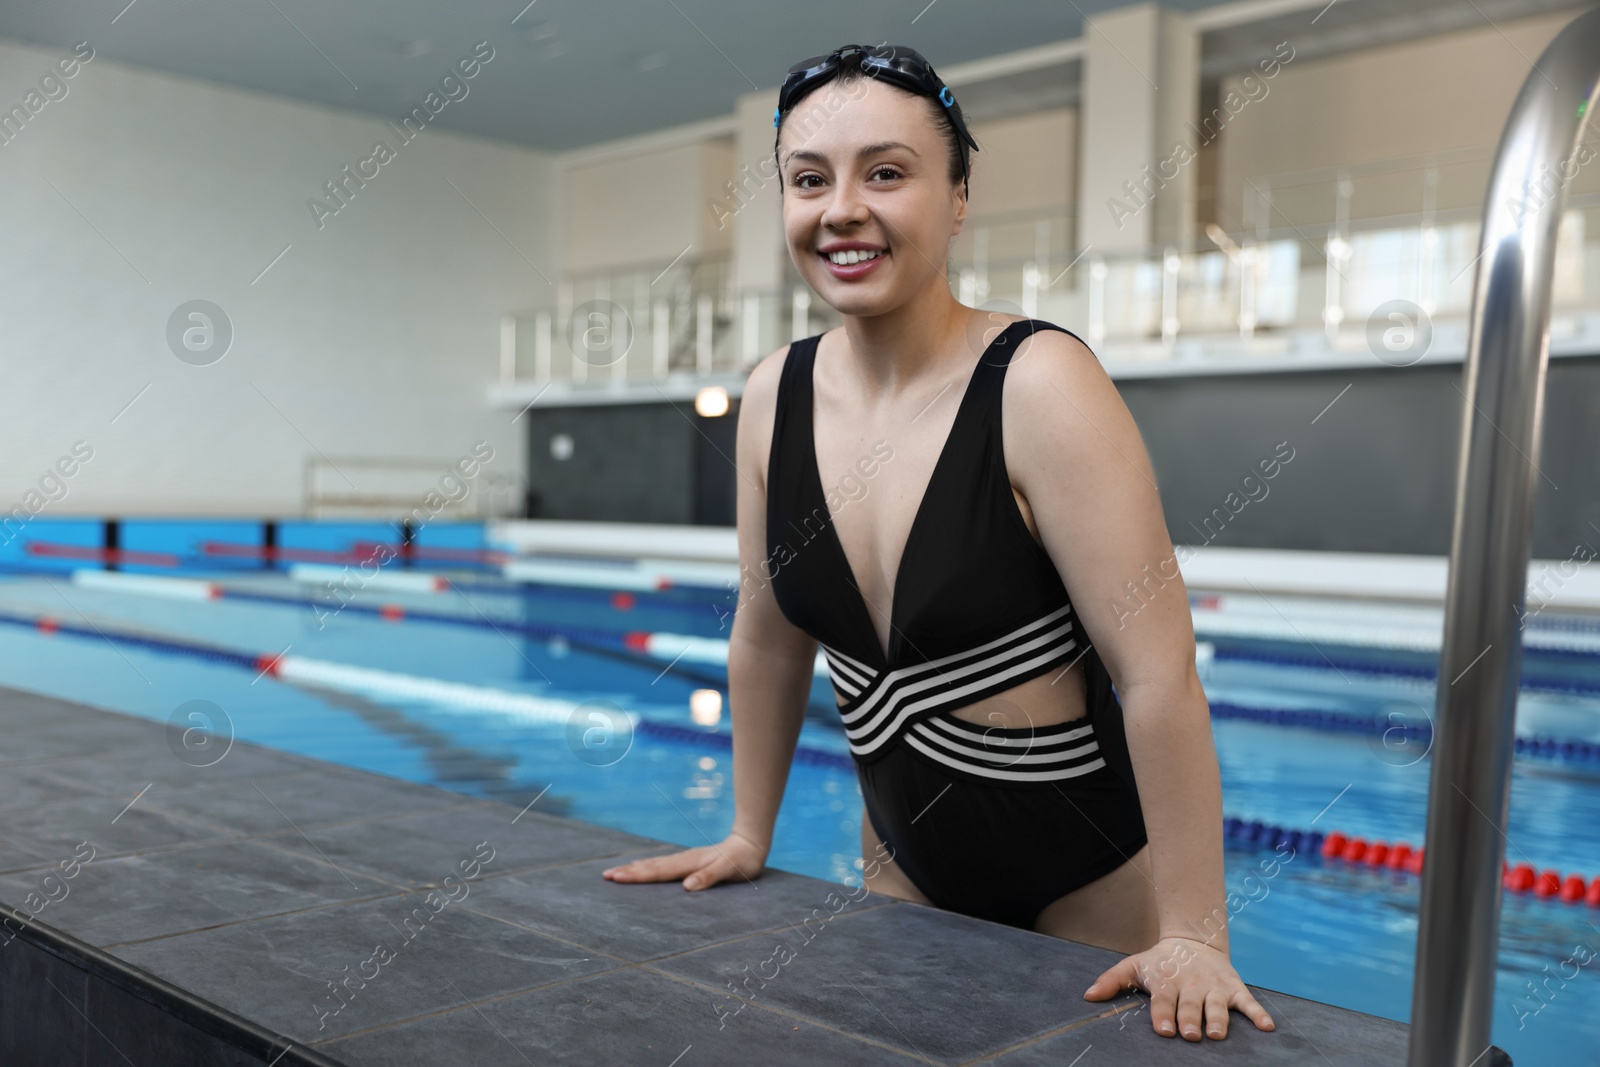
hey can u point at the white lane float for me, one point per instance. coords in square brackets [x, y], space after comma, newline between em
[643, 575]
[1416, 628]
[146, 584]
[679, 647]
[587, 575]
[353, 577]
[690, 572]
[393, 685]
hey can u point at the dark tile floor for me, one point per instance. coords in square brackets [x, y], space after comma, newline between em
[387, 923]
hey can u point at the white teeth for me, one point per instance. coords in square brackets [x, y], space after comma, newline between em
[845, 259]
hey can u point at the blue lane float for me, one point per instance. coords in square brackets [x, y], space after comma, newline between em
[1544, 748]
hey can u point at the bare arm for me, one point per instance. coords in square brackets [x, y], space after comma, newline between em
[769, 675]
[1078, 458]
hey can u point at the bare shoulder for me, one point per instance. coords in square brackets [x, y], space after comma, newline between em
[1060, 403]
[1052, 370]
[762, 384]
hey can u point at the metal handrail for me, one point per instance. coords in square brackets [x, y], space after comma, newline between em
[1481, 660]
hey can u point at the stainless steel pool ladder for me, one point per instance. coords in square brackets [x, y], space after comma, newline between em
[1481, 659]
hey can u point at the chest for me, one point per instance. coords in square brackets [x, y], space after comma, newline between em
[874, 472]
[914, 543]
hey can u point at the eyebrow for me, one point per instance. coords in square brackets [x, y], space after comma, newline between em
[864, 151]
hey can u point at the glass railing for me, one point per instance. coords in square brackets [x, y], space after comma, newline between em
[1281, 292]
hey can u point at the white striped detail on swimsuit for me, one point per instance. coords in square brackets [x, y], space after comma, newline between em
[850, 676]
[1048, 753]
[881, 705]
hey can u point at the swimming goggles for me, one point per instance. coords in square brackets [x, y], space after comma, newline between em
[895, 64]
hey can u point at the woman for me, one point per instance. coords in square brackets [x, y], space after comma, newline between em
[1001, 775]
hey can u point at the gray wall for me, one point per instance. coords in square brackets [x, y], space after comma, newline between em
[1375, 472]
[633, 463]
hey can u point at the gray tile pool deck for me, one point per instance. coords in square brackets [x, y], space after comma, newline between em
[233, 913]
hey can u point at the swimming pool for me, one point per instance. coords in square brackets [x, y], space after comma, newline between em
[1323, 928]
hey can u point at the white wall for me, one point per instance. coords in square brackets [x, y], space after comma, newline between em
[1025, 163]
[753, 211]
[1441, 94]
[625, 212]
[1025, 168]
[1139, 82]
[376, 335]
[648, 207]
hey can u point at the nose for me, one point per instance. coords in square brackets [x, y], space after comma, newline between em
[846, 206]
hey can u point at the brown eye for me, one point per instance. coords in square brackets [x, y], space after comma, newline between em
[890, 171]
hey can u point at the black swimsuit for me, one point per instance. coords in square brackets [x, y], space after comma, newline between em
[996, 823]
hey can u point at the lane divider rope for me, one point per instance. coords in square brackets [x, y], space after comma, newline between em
[1523, 878]
[323, 673]
[1402, 734]
[706, 650]
[665, 645]
[1354, 850]
[364, 680]
[658, 645]
[1416, 670]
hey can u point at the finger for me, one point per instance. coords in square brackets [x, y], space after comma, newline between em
[1191, 1008]
[1252, 1010]
[1217, 1014]
[1163, 1005]
[647, 870]
[718, 870]
[657, 868]
[1112, 981]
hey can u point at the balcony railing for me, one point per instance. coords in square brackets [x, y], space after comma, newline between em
[1273, 292]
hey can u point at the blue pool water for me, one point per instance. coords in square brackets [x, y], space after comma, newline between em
[1314, 928]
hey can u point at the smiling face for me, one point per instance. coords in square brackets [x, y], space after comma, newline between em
[868, 205]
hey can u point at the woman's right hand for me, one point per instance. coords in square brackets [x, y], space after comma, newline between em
[736, 857]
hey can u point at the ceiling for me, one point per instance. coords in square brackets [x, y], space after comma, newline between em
[571, 73]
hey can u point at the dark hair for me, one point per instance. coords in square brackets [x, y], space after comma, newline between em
[960, 155]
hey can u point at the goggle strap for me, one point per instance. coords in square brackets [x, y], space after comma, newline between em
[944, 95]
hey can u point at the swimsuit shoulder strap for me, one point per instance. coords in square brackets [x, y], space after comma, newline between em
[793, 401]
[992, 366]
[789, 456]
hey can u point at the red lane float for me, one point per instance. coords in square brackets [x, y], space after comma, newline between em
[103, 555]
[487, 556]
[274, 553]
[1548, 884]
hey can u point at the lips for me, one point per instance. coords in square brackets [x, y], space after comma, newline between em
[858, 269]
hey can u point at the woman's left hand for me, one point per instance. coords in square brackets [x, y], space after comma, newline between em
[1190, 984]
